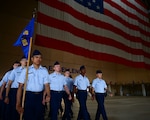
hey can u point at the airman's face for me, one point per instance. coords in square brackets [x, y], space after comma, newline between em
[23, 62]
[16, 65]
[67, 73]
[57, 68]
[83, 71]
[37, 59]
[99, 75]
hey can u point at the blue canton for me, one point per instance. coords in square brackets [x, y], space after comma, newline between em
[96, 5]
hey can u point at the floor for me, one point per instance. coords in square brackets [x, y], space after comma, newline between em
[118, 108]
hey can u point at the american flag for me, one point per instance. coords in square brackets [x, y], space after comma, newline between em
[111, 30]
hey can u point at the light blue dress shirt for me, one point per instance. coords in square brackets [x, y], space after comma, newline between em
[69, 82]
[5, 78]
[1, 82]
[14, 76]
[57, 81]
[99, 85]
[36, 78]
[81, 82]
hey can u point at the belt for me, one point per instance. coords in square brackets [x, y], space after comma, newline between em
[34, 92]
[14, 88]
[54, 91]
[82, 90]
[99, 93]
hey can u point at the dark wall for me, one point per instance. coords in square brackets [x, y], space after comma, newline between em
[14, 16]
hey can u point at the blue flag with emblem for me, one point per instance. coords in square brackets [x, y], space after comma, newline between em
[24, 38]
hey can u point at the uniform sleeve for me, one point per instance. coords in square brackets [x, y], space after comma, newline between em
[93, 84]
[12, 75]
[46, 78]
[1, 82]
[105, 85]
[75, 81]
[49, 78]
[22, 76]
[64, 81]
[88, 82]
[5, 78]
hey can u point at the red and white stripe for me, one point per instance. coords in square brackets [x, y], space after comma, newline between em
[120, 35]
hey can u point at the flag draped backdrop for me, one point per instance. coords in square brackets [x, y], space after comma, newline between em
[111, 30]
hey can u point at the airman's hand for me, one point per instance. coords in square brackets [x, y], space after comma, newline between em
[19, 109]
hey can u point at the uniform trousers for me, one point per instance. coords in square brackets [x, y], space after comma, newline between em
[56, 97]
[67, 103]
[33, 109]
[1, 108]
[100, 109]
[82, 97]
[5, 108]
[14, 115]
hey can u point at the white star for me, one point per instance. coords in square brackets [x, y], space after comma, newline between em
[94, 1]
[89, 4]
[98, 7]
